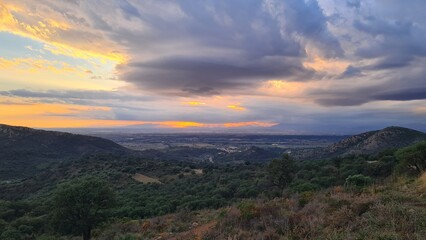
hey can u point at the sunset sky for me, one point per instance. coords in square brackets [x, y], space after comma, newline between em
[287, 66]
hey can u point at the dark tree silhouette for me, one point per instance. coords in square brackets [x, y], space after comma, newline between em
[281, 171]
[413, 158]
[81, 205]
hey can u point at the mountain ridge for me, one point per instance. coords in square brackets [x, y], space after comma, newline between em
[371, 142]
[24, 150]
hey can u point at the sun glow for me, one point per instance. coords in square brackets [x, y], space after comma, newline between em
[41, 115]
[330, 66]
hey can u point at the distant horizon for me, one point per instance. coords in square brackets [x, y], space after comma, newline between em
[165, 131]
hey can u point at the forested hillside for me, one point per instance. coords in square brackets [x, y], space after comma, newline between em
[106, 195]
[26, 151]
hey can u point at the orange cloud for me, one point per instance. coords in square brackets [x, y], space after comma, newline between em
[61, 122]
[48, 30]
[42, 115]
[236, 107]
[33, 110]
[283, 88]
[177, 124]
[37, 64]
[194, 103]
[62, 49]
[333, 66]
[41, 73]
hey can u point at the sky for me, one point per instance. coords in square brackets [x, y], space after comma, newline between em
[277, 66]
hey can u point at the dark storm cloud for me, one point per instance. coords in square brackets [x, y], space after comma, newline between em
[399, 41]
[402, 94]
[307, 19]
[364, 95]
[391, 55]
[207, 47]
[183, 50]
[351, 71]
[391, 61]
[375, 26]
[208, 76]
[341, 101]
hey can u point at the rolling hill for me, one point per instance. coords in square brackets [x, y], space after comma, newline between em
[371, 142]
[23, 150]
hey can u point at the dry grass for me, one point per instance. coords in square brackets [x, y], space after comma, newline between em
[145, 179]
[194, 171]
[422, 180]
[391, 211]
[185, 225]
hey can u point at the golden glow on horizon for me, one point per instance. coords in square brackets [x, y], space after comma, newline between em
[27, 110]
[61, 122]
[177, 124]
[64, 116]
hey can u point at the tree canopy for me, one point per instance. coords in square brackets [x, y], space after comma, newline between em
[281, 171]
[81, 205]
[413, 158]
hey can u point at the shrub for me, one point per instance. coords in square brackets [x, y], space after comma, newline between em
[412, 158]
[281, 171]
[11, 234]
[247, 210]
[357, 181]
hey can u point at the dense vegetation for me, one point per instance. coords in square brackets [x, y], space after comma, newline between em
[81, 205]
[32, 209]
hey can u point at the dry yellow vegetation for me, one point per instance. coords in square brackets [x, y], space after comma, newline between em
[423, 181]
[145, 179]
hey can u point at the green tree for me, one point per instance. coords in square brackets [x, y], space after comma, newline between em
[413, 158]
[81, 205]
[358, 181]
[281, 171]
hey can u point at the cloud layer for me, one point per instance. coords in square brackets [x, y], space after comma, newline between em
[269, 61]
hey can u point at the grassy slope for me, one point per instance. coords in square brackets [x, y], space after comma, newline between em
[391, 211]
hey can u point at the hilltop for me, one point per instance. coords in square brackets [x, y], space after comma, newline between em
[371, 142]
[376, 141]
[24, 150]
